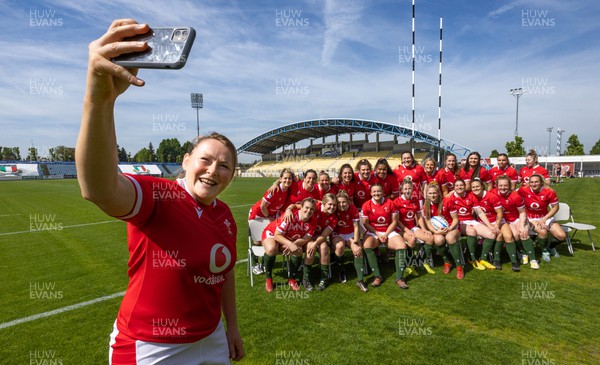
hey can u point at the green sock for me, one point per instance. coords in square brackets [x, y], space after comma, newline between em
[359, 265]
[528, 245]
[340, 261]
[269, 261]
[294, 265]
[455, 252]
[511, 248]
[443, 251]
[498, 250]
[488, 243]
[324, 271]
[372, 259]
[543, 243]
[428, 250]
[400, 259]
[553, 242]
[306, 271]
[471, 245]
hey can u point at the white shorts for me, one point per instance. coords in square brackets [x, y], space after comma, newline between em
[257, 226]
[464, 224]
[212, 349]
[549, 221]
[345, 236]
[393, 234]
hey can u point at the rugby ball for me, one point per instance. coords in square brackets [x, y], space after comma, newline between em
[439, 222]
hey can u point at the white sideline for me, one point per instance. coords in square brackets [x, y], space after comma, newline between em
[69, 308]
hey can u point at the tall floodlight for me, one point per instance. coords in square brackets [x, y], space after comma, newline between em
[559, 133]
[517, 94]
[197, 103]
[549, 129]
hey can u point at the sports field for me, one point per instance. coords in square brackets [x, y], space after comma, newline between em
[58, 252]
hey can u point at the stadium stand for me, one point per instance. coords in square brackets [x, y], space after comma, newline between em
[62, 169]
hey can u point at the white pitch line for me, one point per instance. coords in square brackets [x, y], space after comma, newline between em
[70, 307]
[240, 206]
[49, 230]
[9, 215]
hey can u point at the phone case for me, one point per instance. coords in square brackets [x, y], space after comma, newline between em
[168, 48]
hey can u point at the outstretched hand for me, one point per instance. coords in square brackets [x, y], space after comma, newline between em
[107, 80]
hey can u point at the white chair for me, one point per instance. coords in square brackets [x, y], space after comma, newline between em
[577, 226]
[563, 214]
[259, 251]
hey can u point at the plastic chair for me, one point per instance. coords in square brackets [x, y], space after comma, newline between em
[563, 214]
[577, 226]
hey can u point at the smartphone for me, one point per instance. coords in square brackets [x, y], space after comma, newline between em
[168, 48]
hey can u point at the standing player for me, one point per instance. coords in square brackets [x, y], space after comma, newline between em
[411, 225]
[387, 179]
[347, 234]
[447, 176]
[324, 186]
[473, 170]
[541, 204]
[491, 207]
[515, 227]
[412, 170]
[531, 167]
[267, 209]
[364, 180]
[305, 188]
[379, 216]
[288, 237]
[434, 206]
[193, 281]
[503, 168]
[346, 181]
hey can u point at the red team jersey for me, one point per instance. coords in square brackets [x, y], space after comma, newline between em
[508, 171]
[488, 203]
[324, 220]
[179, 253]
[483, 175]
[346, 220]
[536, 204]
[379, 215]
[276, 202]
[416, 173]
[446, 210]
[407, 210]
[390, 185]
[462, 205]
[363, 189]
[526, 172]
[510, 204]
[333, 189]
[299, 193]
[350, 189]
[293, 230]
[446, 178]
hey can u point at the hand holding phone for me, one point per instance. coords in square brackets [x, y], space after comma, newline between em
[168, 48]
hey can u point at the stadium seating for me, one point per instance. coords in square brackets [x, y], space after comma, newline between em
[62, 169]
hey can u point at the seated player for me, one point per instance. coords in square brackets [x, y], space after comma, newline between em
[490, 206]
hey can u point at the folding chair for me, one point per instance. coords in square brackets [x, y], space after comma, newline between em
[576, 226]
[259, 251]
[563, 215]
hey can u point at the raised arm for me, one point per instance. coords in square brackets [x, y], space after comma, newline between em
[96, 150]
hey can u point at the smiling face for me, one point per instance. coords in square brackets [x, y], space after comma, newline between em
[429, 167]
[329, 207]
[459, 187]
[324, 182]
[451, 162]
[474, 160]
[381, 171]
[503, 186]
[307, 210]
[309, 180]
[433, 193]
[377, 192]
[343, 203]
[502, 162]
[407, 159]
[407, 189]
[365, 172]
[286, 180]
[477, 188]
[347, 174]
[535, 183]
[208, 170]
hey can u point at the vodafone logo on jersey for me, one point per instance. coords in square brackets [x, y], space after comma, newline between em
[360, 193]
[410, 214]
[381, 220]
[220, 258]
[342, 224]
[534, 206]
[463, 210]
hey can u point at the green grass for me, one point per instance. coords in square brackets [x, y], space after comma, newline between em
[482, 319]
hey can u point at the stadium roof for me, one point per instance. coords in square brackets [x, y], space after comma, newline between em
[317, 128]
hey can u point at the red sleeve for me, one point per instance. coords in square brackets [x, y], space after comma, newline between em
[149, 191]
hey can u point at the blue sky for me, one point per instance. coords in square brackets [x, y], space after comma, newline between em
[262, 64]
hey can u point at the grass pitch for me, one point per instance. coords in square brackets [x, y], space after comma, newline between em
[58, 250]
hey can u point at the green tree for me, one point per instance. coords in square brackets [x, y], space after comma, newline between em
[596, 149]
[185, 148]
[142, 155]
[515, 148]
[151, 153]
[494, 153]
[61, 153]
[121, 154]
[574, 147]
[33, 154]
[169, 150]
